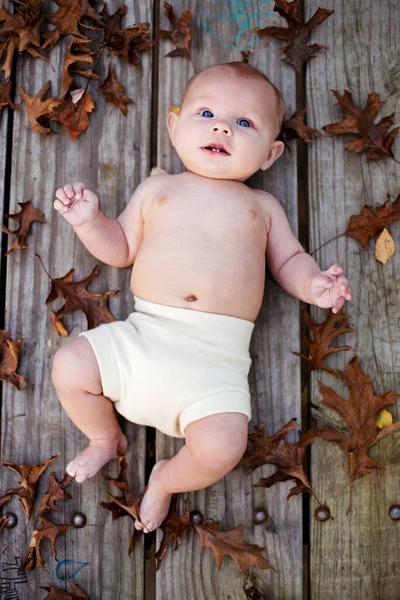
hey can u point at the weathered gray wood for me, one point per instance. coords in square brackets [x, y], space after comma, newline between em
[220, 31]
[111, 157]
[355, 556]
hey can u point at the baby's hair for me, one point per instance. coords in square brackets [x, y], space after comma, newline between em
[246, 71]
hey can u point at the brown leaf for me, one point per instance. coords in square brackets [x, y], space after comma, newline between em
[230, 543]
[114, 91]
[48, 530]
[85, 56]
[181, 33]
[54, 493]
[36, 108]
[370, 224]
[288, 458]
[25, 217]
[384, 247]
[57, 594]
[5, 100]
[67, 19]
[323, 335]
[375, 139]
[360, 413]
[297, 33]
[125, 42]
[29, 477]
[9, 356]
[77, 297]
[174, 528]
[295, 127]
[74, 115]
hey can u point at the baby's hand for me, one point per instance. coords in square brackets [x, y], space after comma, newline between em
[76, 203]
[329, 289]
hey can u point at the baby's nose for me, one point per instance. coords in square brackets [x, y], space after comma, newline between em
[222, 127]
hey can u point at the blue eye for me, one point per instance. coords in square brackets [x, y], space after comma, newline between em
[239, 121]
[205, 110]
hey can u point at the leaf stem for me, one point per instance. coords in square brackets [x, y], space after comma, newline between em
[324, 244]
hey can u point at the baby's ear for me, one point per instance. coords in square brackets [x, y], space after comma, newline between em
[172, 120]
[275, 152]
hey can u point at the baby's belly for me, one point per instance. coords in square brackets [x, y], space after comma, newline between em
[225, 284]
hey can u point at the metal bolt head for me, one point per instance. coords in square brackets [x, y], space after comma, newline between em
[322, 513]
[11, 520]
[196, 517]
[260, 515]
[78, 520]
[394, 512]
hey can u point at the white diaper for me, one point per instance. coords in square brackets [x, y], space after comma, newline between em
[166, 367]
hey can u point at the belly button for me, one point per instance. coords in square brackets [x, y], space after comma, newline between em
[191, 298]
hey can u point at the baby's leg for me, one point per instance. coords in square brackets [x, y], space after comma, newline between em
[214, 446]
[76, 378]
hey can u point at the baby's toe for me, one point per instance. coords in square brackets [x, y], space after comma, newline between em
[138, 525]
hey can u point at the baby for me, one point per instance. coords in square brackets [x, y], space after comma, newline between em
[199, 242]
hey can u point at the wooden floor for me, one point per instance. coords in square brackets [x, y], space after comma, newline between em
[354, 556]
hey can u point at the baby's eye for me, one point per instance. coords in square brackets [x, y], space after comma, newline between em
[205, 110]
[244, 122]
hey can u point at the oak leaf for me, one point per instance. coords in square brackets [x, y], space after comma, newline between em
[360, 413]
[85, 56]
[9, 356]
[296, 127]
[5, 100]
[48, 530]
[57, 594]
[37, 108]
[27, 215]
[74, 115]
[114, 91]
[29, 478]
[174, 528]
[230, 543]
[370, 224]
[375, 138]
[54, 493]
[288, 458]
[181, 33]
[323, 335]
[297, 33]
[67, 19]
[77, 297]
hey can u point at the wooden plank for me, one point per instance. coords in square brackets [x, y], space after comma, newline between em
[111, 157]
[356, 555]
[219, 35]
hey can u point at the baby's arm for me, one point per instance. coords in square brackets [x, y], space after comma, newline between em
[295, 270]
[114, 242]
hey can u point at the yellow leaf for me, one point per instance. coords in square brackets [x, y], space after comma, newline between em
[175, 109]
[384, 418]
[384, 247]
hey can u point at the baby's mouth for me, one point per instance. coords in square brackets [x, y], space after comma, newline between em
[215, 149]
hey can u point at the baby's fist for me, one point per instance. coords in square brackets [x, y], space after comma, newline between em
[330, 289]
[77, 204]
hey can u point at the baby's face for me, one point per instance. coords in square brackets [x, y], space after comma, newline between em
[233, 113]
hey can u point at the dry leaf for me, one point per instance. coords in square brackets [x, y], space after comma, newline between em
[384, 418]
[57, 594]
[48, 530]
[360, 413]
[74, 115]
[54, 493]
[181, 33]
[375, 139]
[384, 247]
[84, 56]
[5, 100]
[323, 335]
[37, 108]
[9, 356]
[370, 224]
[77, 297]
[67, 19]
[114, 91]
[25, 217]
[29, 478]
[297, 33]
[296, 128]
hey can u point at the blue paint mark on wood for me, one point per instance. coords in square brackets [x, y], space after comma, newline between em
[67, 569]
[243, 16]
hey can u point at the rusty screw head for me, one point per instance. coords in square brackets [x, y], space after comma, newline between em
[11, 520]
[322, 513]
[394, 512]
[78, 520]
[260, 515]
[196, 517]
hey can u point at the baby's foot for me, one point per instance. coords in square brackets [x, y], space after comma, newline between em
[154, 506]
[98, 453]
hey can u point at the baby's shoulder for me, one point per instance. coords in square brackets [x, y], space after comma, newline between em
[269, 205]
